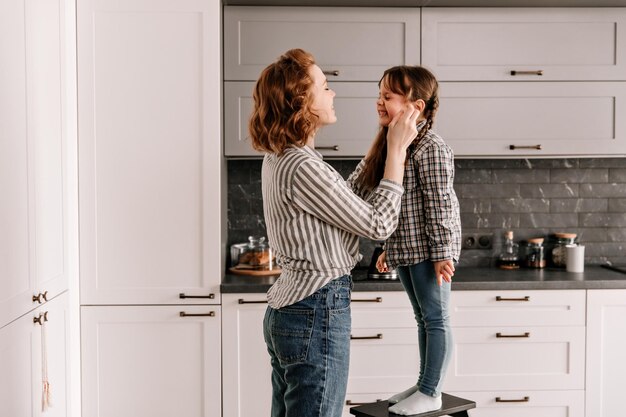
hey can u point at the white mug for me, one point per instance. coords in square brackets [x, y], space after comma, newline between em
[575, 261]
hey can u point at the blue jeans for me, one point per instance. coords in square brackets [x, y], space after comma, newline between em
[430, 305]
[309, 346]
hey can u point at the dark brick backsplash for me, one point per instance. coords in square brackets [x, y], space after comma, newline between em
[532, 197]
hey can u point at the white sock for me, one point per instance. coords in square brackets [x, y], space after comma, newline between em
[401, 396]
[416, 403]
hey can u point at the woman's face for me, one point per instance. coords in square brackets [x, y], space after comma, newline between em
[322, 97]
[388, 104]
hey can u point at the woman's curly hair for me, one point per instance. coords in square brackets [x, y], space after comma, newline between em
[282, 114]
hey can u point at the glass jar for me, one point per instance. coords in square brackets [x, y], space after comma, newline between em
[535, 257]
[558, 252]
[257, 254]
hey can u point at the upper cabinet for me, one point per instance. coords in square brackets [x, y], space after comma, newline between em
[150, 152]
[525, 44]
[529, 82]
[349, 44]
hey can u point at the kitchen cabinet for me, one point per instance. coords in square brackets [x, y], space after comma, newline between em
[150, 151]
[350, 136]
[349, 44]
[353, 46]
[22, 350]
[246, 383]
[34, 160]
[533, 118]
[382, 327]
[151, 361]
[606, 343]
[525, 44]
[151, 207]
[506, 93]
[517, 351]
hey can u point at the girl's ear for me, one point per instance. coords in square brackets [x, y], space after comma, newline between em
[420, 105]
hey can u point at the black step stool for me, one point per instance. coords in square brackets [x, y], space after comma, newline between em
[451, 406]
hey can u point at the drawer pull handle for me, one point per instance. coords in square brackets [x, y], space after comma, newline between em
[378, 336]
[537, 72]
[41, 319]
[39, 296]
[526, 298]
[514, 147]
[328, 148]
[242, 301]
[500, 335]
[331, 72]
[350, 402]
[521, 400]
[368, 300]
[209, 314]
[183, 296]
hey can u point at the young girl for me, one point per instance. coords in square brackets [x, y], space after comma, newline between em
[427, 242]
[313, 222]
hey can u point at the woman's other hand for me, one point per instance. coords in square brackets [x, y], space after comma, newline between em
[444, 270]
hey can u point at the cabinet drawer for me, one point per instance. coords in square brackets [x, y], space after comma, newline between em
[517, 308]
[511, 119]
[466, 44]
[383, 310]
[358, 43]
[390, 363]
[509, 358]
[538, 403]
[351, 135]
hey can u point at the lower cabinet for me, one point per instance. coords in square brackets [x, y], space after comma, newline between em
[246, 384]
[519, 353]
[26, 346]
[157, 361]
[606, 344]
[525, 403]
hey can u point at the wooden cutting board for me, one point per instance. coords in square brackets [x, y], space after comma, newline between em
[255, 272]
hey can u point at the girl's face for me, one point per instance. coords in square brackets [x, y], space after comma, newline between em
[322, 97]
[388, 104]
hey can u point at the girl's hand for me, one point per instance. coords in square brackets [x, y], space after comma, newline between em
[381, 262]
[402, 129]
[443, 270]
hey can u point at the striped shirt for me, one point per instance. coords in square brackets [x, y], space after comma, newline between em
[430, 223]
[314, 219]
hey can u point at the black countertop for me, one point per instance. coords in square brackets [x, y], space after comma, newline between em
[467, 279]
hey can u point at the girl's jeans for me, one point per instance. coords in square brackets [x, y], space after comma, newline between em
[430, 305]
[309, 346]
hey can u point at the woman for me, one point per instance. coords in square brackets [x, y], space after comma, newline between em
[313, 223]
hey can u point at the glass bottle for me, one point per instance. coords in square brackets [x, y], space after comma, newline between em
[535, 257]
[558, 253]
[509, 257]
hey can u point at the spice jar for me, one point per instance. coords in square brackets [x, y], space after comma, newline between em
[535, 253]
[558, 253]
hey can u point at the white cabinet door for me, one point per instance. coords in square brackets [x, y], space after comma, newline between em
[21, 358]
[150, 151]
[246, 383]
[606, 344]
[151, 361]
[497, 44]
[33, 171]
[351, 136]
[526, 403]
[515, 358]
[533, 119]
[349, 44]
